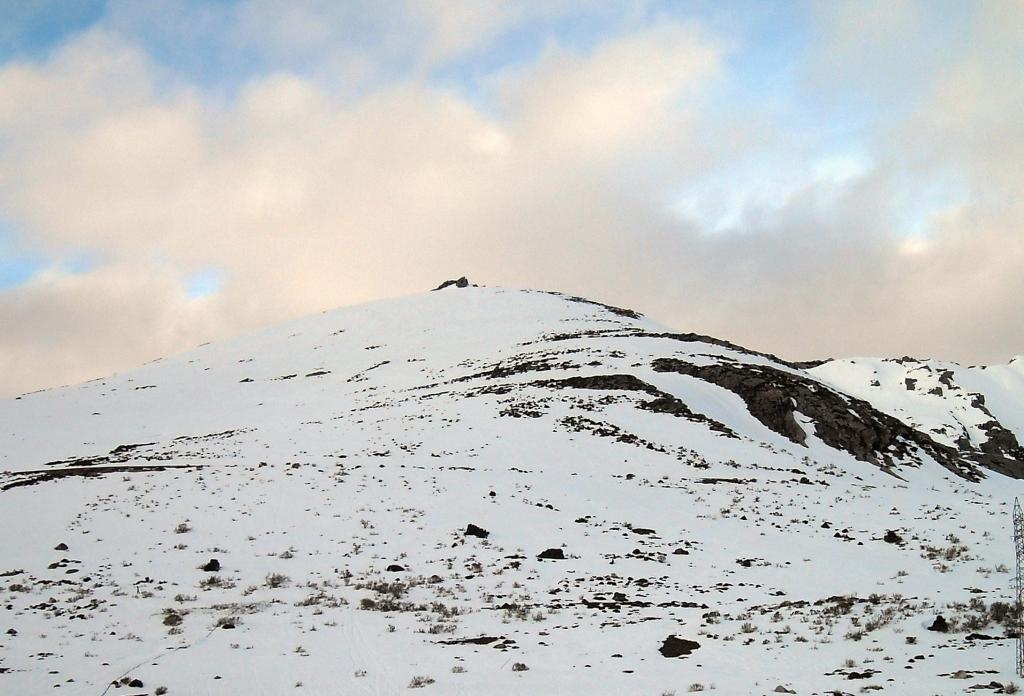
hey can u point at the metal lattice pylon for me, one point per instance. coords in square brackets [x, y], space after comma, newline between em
[1018, 583]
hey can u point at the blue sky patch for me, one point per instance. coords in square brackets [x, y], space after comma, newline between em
[205, 283]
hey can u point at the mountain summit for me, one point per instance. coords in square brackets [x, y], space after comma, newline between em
[508, 491]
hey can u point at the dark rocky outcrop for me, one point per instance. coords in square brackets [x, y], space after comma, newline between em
[617, 382]
[768, 393]
[677, 647]
[459, 283]
[773, 396]
[551, 555]
[212, 566]
[940, 624]
[481, 640]
[661, 403]
[711, 340]
[473, 530]
[618, 311]
[37, 476]
[505, 369]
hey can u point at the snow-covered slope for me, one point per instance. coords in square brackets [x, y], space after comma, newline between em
[633, 492]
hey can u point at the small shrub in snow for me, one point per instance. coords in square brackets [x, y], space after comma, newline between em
[1002, 613]
[439, 628]
[517, 611]
[955, 551]
[275, 580]
[182, 528]
[420, 682]
[519, 667]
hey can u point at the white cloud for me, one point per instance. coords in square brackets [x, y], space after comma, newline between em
[309, 198]
[620, 98]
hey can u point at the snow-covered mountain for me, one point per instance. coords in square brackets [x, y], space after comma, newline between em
[493, 491]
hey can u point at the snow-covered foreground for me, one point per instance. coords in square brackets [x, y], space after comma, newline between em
[288, 512]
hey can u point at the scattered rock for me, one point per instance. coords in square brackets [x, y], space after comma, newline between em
[891, 537]
[473, 530]
[482, 640]
[212, 566]
[552, 555]
[780, 689]
[395, 568]
[982, 636]
[136, 684]
[677, 647]
[940, 624]
[61, 547]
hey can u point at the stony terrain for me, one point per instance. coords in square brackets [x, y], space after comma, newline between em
[491, 491]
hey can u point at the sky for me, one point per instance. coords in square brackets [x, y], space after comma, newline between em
[812, 179]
